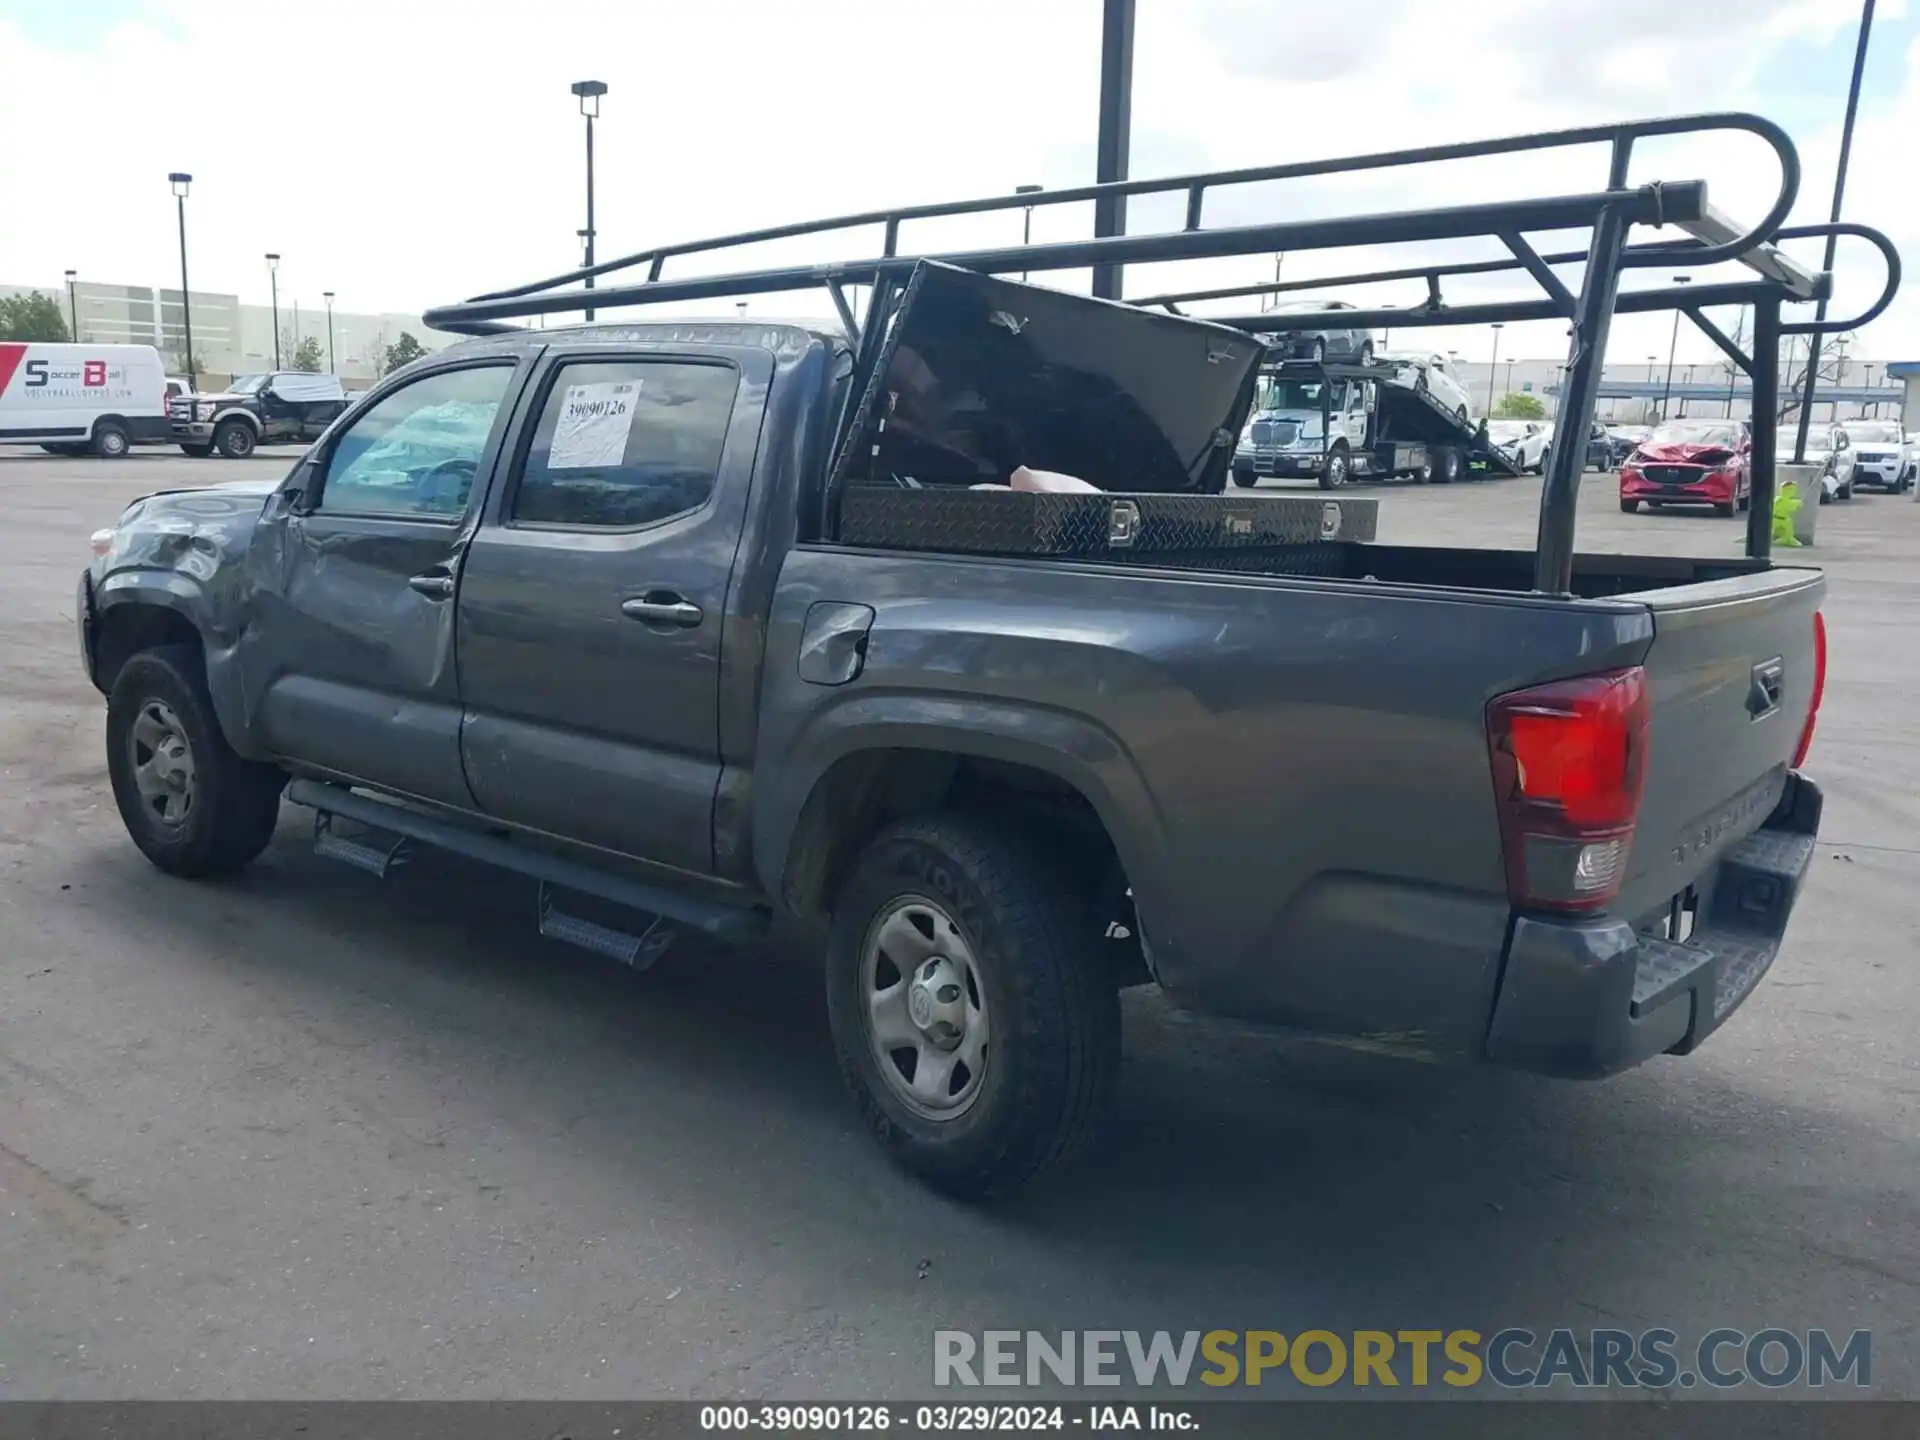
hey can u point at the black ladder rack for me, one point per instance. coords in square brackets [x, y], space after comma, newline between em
[1608, 214]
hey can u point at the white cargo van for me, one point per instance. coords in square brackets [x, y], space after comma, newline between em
[82, 399]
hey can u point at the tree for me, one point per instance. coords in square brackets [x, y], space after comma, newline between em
[1793, 369]
[307, 356]
[403, 351]
[1519, 407]
[32, 316]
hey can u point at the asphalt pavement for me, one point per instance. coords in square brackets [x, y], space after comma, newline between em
[303, 1134]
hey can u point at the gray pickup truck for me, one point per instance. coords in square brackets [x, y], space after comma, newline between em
[587, 604]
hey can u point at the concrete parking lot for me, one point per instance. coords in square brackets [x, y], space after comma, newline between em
[301, 1134]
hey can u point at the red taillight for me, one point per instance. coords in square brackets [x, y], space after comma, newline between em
[1819, 688]
[1569, 765]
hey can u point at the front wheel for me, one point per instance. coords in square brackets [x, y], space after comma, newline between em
[198, 452]
[977, 1025]
[1337, 469]
[192, 806]
[1629, 507]
[1245, 479]
[234, 439]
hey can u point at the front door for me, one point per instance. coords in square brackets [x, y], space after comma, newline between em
[349, 657]
[592, 600]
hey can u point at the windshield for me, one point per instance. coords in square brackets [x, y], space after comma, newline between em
[1684, 432]
[247, 384]
[1877, 433]
[1276, 394]
[1818, 440]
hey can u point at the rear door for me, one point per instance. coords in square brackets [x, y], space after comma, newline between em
[591, 600]
[349, 656]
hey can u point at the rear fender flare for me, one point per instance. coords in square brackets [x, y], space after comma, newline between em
[1070, 748]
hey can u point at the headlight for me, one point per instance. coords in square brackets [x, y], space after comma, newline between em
[101, 541]
[203, 410]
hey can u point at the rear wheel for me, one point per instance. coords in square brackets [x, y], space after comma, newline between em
[110, 440]
[1423, 472]
[1319, 352]
[1245, 479]
[234, 439]
[192, 806]
[1630, 507]
[1445, 465]
[1725, 512]
[977, 1025]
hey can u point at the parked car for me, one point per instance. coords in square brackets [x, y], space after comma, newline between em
[1622, 439]
[1599, 448]
[1827, 447]
[286, 406]
[1330, 344]
[1005, 788]
[82, 399]
[1523, 442]
[1431, 373]
[1879, 454]
[1689, 462]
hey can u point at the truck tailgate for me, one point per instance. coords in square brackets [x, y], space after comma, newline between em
[1731, 675]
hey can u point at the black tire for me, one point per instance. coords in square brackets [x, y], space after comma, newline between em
[1725, 512]
[1446, 465]
[1629, 507]
[1245, 479]
[234, 439]
[1337, 469]
[233, 803]
[1050, 992]
[1546, 458]
[198, 452]
[1744, 503]
[110, 440]
[1423, 472]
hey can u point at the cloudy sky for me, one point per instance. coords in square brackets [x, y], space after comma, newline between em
[403, 153]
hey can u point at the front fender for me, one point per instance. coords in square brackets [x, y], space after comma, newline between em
[1070, 748]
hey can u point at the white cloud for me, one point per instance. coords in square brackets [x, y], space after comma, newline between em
[403, 153]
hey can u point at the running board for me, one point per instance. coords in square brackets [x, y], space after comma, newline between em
[640, 951]
[737, 923]
[378, 860]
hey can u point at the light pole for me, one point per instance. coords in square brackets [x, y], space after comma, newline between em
[1839, 372]
[273, 280]
[327, 295]
[1839, 192]
[1494, 365]
[1673, 342]
[1026, 224]
[73, 309]
[589, 93]
[180, 180]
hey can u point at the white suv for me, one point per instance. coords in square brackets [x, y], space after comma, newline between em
[1431, 374]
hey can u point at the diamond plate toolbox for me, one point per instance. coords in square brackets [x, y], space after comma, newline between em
[1021, 522]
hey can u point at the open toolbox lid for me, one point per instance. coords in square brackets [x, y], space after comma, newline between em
[979, 376]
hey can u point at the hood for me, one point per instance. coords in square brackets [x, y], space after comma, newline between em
[980, 376]
[187, 529]
[1678, 453]
[223, 397]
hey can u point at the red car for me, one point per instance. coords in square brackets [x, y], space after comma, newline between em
[1689, 462]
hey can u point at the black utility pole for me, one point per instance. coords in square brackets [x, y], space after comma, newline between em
[1116, 122]
[1026, 225]
[1839, 192]
[73, 309]
[1673, 344]
[1493, 365]
[589, 93]
[327, 295]
[180, 181]
[273, 279]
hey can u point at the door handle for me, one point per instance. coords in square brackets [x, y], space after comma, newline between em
[663, 607]
[431, 585]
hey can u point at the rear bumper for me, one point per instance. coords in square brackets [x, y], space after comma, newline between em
[1589, 998]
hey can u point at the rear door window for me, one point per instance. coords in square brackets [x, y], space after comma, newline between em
[625, 443]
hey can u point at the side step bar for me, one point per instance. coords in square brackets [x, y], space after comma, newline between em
[736, 924]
